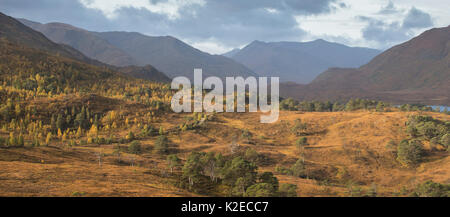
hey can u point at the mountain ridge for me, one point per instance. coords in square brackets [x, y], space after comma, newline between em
[120, 48]
[416, 71]
[15, 32]
[300, 62]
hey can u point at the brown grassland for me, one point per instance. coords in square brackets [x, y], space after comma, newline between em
[346, 150]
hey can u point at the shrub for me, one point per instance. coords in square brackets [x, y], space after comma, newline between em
[298, 169]
[162, 145]
[135, 147]
[288, 190]
[260, 190]
[410, 152]
[432, 189]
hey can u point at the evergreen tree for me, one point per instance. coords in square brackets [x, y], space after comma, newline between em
[172, 162]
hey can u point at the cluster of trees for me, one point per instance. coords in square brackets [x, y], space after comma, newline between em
[195, 121]
[351, 105]
[420, 107]
[317, 106]
[237, 173]
[410, 152]
[298, 169]
[27, 74]
[427, 128]
[431, 189]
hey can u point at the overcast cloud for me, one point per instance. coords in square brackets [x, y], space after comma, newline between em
[217, 26]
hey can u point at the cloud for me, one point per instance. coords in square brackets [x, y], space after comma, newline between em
[231, 23]
[216, 25]
[417, 19]
[390, 8]
[311, 6]
[386, 34]
[170, 8]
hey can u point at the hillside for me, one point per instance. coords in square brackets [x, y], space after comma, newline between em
[300, 62]
[14, 31]
[17, 36]
[416, 71]
[86, 42]
[347, 155]
[173, 56]
[167, 54]
[147, 72]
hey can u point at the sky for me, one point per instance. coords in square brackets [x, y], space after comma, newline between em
[217, 26]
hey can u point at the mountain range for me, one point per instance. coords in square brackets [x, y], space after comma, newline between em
[19, 34]
[165, 53]
[299, 62]
[417, 71]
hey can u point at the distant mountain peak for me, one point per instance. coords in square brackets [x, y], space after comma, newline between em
[416, 71]
[231, 53]
[300, 62]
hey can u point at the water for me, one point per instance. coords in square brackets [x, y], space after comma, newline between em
[441, 107]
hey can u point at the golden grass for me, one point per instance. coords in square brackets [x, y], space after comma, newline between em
[354, 141]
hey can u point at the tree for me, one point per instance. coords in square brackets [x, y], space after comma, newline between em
[269, 178]
[288, 190]
[301, 143]
[299, 127]
[251, 155]
[162, 145]
[93, 132]
[172, 162]
[20, 141]
[239, 168]
[192, 168]
[60, 122]
[79, 132]
[298, 169]
[445, 140]
[260, 190]
[380, 107]
[135, 148]
[48, 138]
[130, 136]
[432, 189]
[53, 123]
[410, 152]
[209, 165]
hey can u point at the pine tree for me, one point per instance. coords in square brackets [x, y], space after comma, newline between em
[20, 141]
[60, 122]
[53, 123]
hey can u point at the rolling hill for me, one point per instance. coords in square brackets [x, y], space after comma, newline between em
[416, 71]
[299, 62]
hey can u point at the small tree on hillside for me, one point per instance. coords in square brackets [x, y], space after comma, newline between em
[288, 190]
[410, 152]
[172, 162]
[135, 148]
[162, 145]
